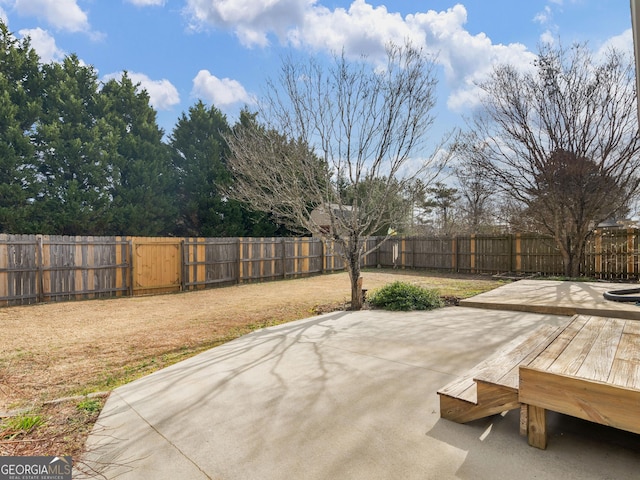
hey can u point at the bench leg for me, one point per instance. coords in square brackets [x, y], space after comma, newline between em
[524, 419]
[537, 426]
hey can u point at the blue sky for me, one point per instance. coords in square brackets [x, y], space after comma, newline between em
[222, 51]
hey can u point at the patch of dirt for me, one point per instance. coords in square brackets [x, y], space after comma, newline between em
[57, 350]
[63, 424]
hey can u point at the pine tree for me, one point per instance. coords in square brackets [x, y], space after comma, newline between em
[199, 153]
[143, 184]
[74, 153]
[20, 81]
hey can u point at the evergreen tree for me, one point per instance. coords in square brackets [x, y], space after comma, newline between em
[20, 81]
[143, 183]
[199, 155]
[197, 158]
[75, 153]
[257, 223]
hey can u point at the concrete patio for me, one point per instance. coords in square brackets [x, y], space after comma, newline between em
[349, 396]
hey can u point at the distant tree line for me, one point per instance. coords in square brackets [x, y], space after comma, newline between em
[78, 157]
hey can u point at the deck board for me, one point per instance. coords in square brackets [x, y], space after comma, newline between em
[464, 386]
[551, 353]
[595, 375]
[503, 370]
[575, 353]
[599, 361]
[632, 328]
[625, 370]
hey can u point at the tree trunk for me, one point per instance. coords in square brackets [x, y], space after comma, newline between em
[565, 250]
[353, 266]
[356, 294]
[572, 255]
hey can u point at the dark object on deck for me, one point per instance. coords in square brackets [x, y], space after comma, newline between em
[626, 295]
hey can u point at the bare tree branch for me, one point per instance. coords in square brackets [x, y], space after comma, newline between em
[562, 140]
[339, 139]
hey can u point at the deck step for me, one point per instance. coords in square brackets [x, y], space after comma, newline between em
[491, 387]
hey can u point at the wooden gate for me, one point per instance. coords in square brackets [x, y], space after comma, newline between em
[157, 265]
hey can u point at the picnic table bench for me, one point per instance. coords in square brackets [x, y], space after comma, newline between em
[589, 369]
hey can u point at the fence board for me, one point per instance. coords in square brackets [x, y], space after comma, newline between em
[156, 265]
[37, 268]
[19, 270]
[493, 254]
[55, 268]
[612, 254]
[210, 262]
[333, 256]
[539, 255]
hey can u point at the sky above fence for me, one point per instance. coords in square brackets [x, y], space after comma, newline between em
[222, 51]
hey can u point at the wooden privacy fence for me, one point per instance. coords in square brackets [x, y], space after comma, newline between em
[40, 268]
[36, 268]
[610, 254]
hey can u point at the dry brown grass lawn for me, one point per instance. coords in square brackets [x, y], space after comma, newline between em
[58, 350]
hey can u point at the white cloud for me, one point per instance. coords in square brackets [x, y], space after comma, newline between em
[547, 37]
[544, 17]
[622, 42]
[147, 3]
[44, 44]
[219, 92]
[251, 20]
[467, 59]
[162, 93]
[360, 29]
[61, 14]
[3, 16]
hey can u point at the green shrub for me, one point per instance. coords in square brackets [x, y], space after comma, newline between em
[404, 297]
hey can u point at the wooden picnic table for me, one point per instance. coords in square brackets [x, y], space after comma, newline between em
[591, 370]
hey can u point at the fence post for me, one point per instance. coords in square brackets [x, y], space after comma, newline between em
[131, 272]
[305, 252]
[598, 253]
[40, 274]
[284, 257]
[518, 253]
[472, 252]
[454, 254]
[239, 260]
[629, 253]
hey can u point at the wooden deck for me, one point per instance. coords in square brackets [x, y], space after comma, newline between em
[590, 369]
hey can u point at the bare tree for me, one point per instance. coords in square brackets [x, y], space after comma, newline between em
[332, 132]
[562, 140]
[444, 200]
[477, 199]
